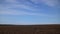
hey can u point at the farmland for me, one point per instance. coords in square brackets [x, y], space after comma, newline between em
[29, 29]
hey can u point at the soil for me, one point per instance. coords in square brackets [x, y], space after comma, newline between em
[29, 29]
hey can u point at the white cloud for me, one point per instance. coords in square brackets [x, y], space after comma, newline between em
[14, 4]
[51, 2]
[11, 1]
[16, 12]
[7, 9]
[47, 2]
[36, 1]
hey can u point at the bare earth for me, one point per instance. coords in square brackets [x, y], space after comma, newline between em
[30, 29]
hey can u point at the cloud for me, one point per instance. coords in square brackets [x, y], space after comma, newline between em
[15, 4]
[27, 5]
[11, 1]
[8, 9]
[51, 2]
[47, 2]
[21, 12]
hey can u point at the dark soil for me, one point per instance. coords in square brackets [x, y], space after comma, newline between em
[29, 29]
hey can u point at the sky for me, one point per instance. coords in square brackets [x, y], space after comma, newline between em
[27, 12]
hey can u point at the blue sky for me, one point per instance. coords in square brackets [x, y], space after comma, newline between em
[25, 12]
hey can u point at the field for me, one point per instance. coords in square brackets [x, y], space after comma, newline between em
[29, 29]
